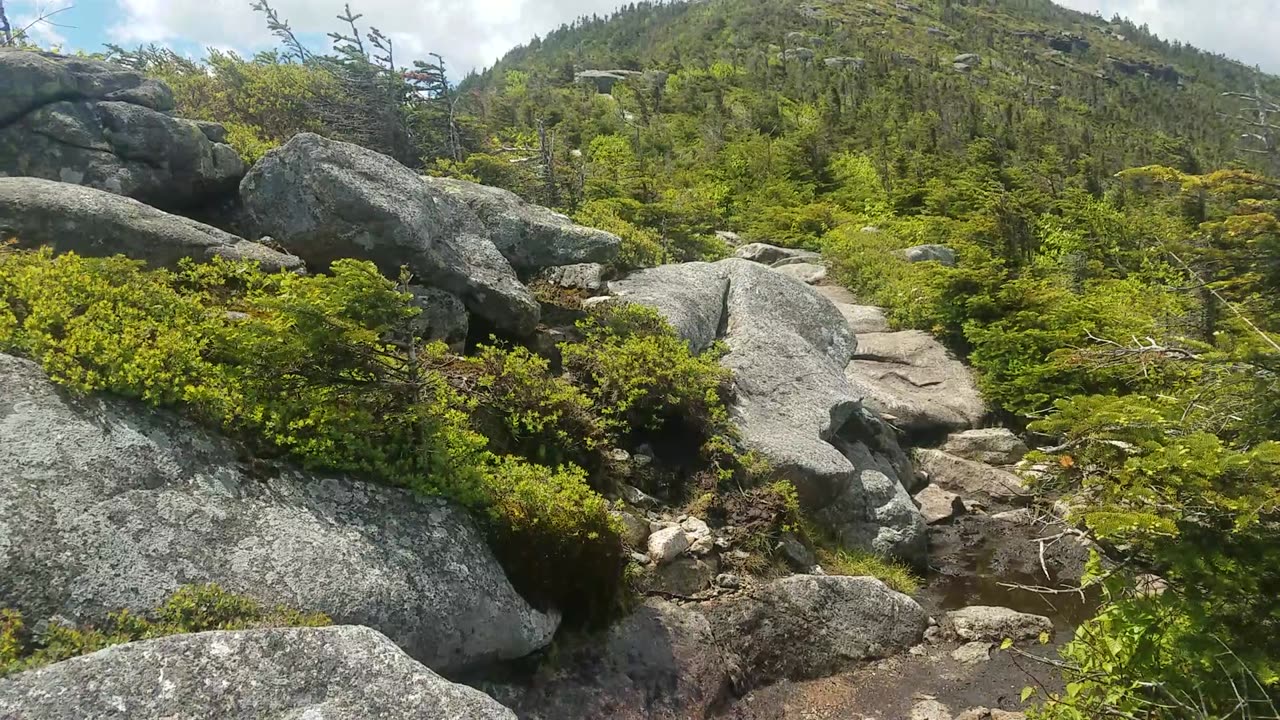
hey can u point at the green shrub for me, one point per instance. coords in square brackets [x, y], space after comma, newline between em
[642, 377]
[526, 411]
[641, 247]
[191, 609]
[319, 367]
[556, 539]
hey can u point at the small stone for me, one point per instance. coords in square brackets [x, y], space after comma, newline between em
[798, 557]
[634, 530]
[640, 557]
[642, 460]
[701, 546]
[729, 581]
[938, 505]
[695, 527]
[667, 543]
[930, 710]
[994, 624]
[933, 635]
[737, 556]
[1021, 516]
[918, 650]
[638, 497]
[972, 652]
[723, 543]
[1148, 585]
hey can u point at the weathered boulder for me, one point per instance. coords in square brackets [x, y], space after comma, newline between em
[324, 200]
[29, 80]
[73, 218]
[844, 62]
[788, 346]
[993, 446]
[938, 505]
[970, 479]
[684, 577]
[993, 624]
[931, 253]
[801, 54]
[662, 662]
[810, 626]
[667, 544]
[336, 673]
[861, 318]
[807, 273]
[690, 296]
[109, 504]
[604, 80]
[580, 276]
[766, 254]
[92, 123]
[530, 237]
[443, 317]
[911, 380]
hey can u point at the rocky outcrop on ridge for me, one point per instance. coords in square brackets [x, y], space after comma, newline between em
[335, 673]
[92, 123]
[788, 349]
[110, 505]
[74, 218]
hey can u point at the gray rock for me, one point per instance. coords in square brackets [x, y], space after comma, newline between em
[931, 253]
[685, 576]
[788, 345]
[968, 59]
[325, 200]
[912, 381]
[110, 505]
[993, 446]
[29, 80]
[993, 624]
[862, 319]
[604, 80]
[443, 317]
[807, 273]
[766, 254]
[801, 54]
[690, 296]
[929, 709]
[972, 653]
[729, 238]
[92, 123]
[798, 557]
[336, 673]
[530, 236]
[811, 626]
[582, 276]
[970, 479]
[667, 544]
[844, 63]
[662, 662]
[938, 505]
[635, 531]
[72, 218]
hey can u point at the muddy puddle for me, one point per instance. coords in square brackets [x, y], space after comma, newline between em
[974, 560]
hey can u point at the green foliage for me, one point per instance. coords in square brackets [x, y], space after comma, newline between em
[191, 609]
[641, 247]
[526, 411]
[556, 539]
[863, 564]
[319, 367]
[642, 377]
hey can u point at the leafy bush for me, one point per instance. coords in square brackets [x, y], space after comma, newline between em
[556, 539]
[191, 609]
[641, 247]
[642, 377]
[526, 411]
[323, 368]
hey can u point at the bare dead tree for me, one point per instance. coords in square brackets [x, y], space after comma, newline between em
[6, 31]
[1255, 116]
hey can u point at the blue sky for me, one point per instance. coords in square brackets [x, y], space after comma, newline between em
[474, 33]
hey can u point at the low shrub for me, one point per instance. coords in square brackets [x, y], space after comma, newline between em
[191, 609]
[864, 564]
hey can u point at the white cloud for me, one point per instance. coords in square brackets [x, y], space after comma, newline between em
[42, 20]
[1241, 29]
[469, 33]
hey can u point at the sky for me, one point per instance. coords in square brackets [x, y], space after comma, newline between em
[474, 33]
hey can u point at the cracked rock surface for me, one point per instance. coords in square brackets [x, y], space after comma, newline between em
[92, 123]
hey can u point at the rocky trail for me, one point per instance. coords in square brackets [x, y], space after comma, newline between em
[108, 504]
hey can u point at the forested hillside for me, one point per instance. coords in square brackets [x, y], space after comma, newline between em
[1099, 223]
